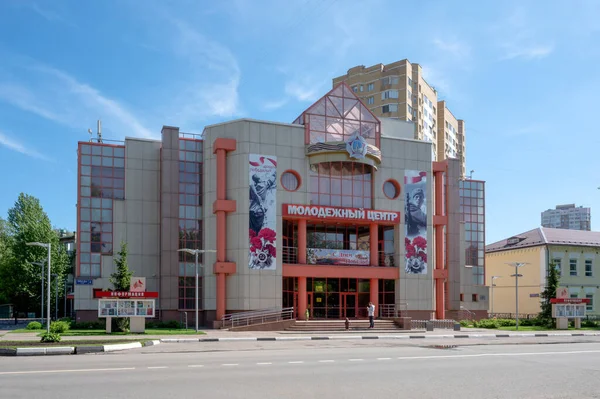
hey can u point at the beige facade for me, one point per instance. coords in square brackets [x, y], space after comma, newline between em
[579, 266]
[400, 91]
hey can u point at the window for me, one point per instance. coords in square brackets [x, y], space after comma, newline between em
[102, 179]
[557, 265]
[190, 218]
[389, 94]
[572, 267]
[355, 89]
[389, 80]
[187, 292]
[370, 100]
[391, 189]
[410, 82]
[370, 87]
[588, 268]
[462, 297]
[361, 88]
[410, 110]
[590, 306]
[345, 184]
[389, 108]
[474, 298]
[290, 181]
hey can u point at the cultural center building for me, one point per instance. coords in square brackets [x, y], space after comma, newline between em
[328, 213]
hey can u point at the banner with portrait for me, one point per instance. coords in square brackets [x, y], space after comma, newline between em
[415, 220]
[263, 219]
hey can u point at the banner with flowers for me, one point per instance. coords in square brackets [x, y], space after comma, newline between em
[415, 221]
[263, 209]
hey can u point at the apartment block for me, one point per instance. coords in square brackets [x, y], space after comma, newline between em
[399, 91]
[568, 217]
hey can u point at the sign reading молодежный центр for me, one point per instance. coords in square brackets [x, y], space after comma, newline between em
[346, 214]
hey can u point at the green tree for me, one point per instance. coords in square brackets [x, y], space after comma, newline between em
[19, 278]
[121, 281]
[552, 281]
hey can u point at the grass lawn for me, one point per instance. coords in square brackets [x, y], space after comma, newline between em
[149, 331]
[540, 328]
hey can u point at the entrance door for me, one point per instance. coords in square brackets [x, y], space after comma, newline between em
[349, 303]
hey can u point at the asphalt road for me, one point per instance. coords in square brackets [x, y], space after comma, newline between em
[375, 371]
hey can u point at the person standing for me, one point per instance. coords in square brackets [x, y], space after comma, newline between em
[371, 311]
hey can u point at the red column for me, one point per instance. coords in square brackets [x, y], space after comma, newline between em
[302, 298]
[302, 243]
[221, 207]
[374, 243]
[221, 305]
[374, 297]
[440, 220]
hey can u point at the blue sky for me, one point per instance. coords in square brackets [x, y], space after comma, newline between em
[523, 75]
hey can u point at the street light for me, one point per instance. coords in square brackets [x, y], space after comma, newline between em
[517, 265]
[55, 276]
[43, 245]
[41, 264]
[493, 285]
[196, 252]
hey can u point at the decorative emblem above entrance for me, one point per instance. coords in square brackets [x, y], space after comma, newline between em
[356, 146]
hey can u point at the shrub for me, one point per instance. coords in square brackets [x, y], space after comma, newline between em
[34, 325]
[589, 323]
[507, 322]
[465, 323]
[169, 324]
[486, 323]
[88, 325]
[50, 337]
[59, 327]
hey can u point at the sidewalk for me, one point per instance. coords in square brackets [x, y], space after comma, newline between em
[223, 335]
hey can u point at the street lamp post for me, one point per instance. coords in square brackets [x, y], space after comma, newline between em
[196, 252]
[55, 296]
[41, 264]
[48, 246]
[517, 265]
[493, 285]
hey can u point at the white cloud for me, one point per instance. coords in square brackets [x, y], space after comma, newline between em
[304, 89]
[518, 37]
[275, 104]
[211, 88]
[453, 46]
[14, 145]
[532, 52]
[59, 97]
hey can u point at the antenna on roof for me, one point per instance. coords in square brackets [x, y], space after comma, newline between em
[99, 131]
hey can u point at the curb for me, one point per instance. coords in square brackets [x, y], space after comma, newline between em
[75, 350]
[365, 337]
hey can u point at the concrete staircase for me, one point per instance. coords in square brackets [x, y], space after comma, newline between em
[339, 325]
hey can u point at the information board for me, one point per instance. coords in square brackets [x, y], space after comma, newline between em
[126, 307]
[570, 311]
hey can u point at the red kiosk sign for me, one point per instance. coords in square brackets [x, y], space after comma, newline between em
[570, 300]
[125, 294]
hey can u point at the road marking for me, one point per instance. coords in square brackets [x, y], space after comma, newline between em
[384, 358]
[265, 363]
[196, 365]
[230, 364]
[355, 360]
[64, 371]
[497, 354]
[326, 361]
[296, 362]
[157, 367]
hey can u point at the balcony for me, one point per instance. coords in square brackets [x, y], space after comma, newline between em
[289, 255]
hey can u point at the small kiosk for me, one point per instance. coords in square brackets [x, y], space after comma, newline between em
[564, 309]
[137, 306]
